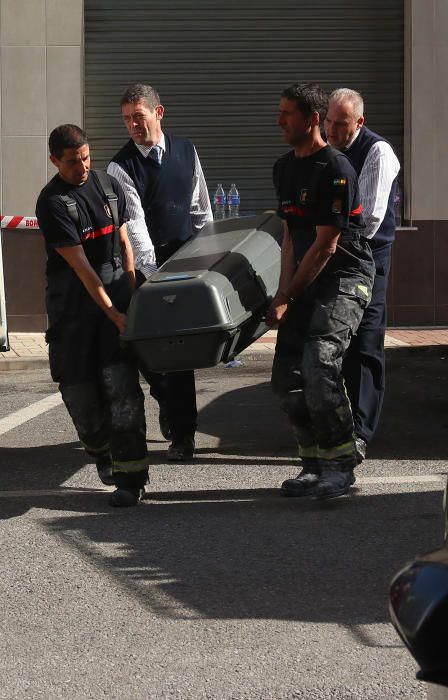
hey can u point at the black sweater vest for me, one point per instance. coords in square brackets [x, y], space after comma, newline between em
[357, 154]
[164, 189]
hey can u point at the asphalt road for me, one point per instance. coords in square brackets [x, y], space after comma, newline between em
[215, 586]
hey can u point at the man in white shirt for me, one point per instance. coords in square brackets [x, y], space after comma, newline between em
[167, 202]
[377, 168]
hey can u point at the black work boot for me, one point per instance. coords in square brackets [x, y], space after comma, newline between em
[126, 498]
[334, 482]
[181, 449]
[305, 483]
[130, 489]
[104, 469]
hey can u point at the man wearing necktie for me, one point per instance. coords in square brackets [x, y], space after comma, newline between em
[156, 154]
[168, 202]
[377, 168]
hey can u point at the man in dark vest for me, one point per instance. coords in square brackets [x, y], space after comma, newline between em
[377, 168]
[168, 202]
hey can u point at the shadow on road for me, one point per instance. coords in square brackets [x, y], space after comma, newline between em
[252, 554]
[414, 424]
[36, 468]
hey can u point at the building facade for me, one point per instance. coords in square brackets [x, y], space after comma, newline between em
[220, 74]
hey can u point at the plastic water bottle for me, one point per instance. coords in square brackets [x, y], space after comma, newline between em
[397, 205]
[219, 201]
[233, 201]
[234, 363]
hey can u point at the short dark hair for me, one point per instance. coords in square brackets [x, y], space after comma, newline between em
[135, 93]
[66, 136]
[309, 98]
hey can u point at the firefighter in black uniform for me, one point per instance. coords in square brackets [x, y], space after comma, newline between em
[90, 279]
[325, 283]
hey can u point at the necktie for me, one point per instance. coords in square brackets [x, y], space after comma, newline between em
[156, 154]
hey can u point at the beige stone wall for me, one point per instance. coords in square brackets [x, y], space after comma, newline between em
[426, 109]
[41, 86]
[41, 80]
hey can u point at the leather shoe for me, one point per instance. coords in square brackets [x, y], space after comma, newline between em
[164, 425]
[181, 450]
[361, 449]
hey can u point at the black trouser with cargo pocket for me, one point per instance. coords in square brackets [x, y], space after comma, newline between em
[307, 369]
[97, 378]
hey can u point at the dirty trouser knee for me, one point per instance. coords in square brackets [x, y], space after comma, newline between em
[72, 366]
[87, 411]
[287, 384]
[111, 419]
[81, 349]
[310, 349]
[287, 379]
[333, 322]
[125, 403]
[328, 404]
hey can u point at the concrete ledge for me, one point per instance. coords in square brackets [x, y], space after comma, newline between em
[22, 363]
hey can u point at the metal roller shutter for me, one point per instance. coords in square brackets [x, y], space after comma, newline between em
[220, 70]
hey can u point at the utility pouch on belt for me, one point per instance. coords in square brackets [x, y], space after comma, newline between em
[104, 182]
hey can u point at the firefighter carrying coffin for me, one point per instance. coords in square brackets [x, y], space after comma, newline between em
[208, 301]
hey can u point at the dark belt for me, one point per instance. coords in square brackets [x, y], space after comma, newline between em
[164, 251]
[106, 270]
[351, 236]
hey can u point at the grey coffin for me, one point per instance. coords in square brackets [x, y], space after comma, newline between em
[208, 301]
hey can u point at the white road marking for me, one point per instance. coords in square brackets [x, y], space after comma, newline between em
[29, 412]
[50, 492]
[406, 479]
[435, 479]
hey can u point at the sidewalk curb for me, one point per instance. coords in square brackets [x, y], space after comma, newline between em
[251, 354]
[22, 363]
[255, 356]
[15, 364]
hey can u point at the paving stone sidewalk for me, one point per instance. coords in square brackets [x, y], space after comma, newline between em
[29, 349]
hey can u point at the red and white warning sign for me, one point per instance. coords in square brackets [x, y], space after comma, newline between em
[18, 222]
